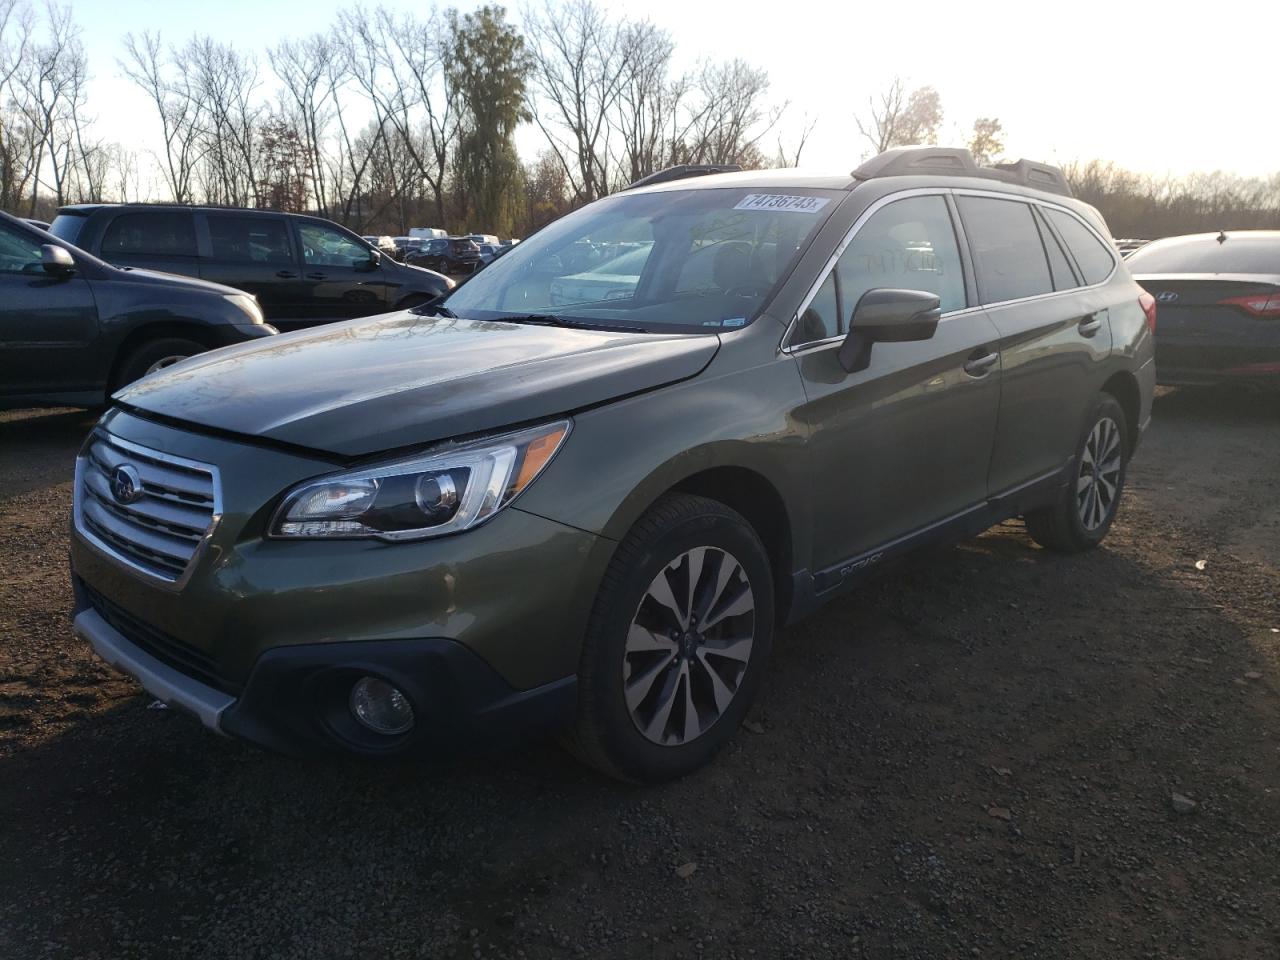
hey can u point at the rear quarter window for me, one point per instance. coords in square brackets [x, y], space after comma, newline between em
[158, 233]
[67, 226]
[1095, 259]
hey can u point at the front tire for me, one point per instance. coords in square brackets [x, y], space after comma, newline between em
[677, 642]
[155, 355]
[1084, 513]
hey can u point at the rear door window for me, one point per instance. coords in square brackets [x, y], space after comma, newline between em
[166, 233]
[1095, 259]
[1007, 251]
[262, 240]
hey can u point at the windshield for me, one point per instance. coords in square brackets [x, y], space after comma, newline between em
[1236, 254]
[681, 259]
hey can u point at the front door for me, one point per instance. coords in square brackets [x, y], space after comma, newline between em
[339, 280]
[48, 325]
[904, 444]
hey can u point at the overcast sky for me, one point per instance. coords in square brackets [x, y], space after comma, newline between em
[1145, 84]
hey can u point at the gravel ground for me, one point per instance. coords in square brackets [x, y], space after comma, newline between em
[977, 755]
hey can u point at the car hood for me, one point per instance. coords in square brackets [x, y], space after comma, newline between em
[402, 379]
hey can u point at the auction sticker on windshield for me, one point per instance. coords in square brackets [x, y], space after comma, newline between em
[777, 201]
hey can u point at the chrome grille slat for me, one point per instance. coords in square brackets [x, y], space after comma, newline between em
[153, 474]
[161, 532]
[130, 532]
[185, 521]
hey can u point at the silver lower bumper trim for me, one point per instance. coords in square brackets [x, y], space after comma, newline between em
[166, 684]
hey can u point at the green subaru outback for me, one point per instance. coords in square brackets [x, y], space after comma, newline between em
[546, 504]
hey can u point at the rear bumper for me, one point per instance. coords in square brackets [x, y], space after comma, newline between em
[1262, 374]
[296, 699]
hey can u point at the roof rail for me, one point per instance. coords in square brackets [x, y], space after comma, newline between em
[959, 162]
[683, 171]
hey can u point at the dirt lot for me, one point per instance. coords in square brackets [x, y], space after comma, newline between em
[974, 756]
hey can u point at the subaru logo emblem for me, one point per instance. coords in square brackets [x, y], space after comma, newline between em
[1167, 296]
[126, 484]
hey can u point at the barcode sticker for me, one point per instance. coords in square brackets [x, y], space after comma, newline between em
[778, 201]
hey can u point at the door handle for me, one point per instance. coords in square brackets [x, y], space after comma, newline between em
[317, 276]
[285, 274]
[1090, 325]
[980, 364]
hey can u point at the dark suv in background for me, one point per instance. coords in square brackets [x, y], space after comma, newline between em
[592, 512]
[73, 329]
[456, 255]
[303, 270]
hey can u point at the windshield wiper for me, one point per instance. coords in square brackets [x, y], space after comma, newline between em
[571, 323]
[434, 310]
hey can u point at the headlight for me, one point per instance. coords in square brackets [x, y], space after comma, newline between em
[247, 304]
[428, 496]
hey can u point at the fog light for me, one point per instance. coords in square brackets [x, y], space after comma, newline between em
[380, 706]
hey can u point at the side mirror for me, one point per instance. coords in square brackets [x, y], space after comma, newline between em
[888, 316]
[375, 258]
[56, 261]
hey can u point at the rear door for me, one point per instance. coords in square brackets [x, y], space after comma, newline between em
[339, 277]
[904, 444]
[254, 253]
[162, 239]
[48, 325]
[1053, 329]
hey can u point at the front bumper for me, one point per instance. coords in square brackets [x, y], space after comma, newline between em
[295, 701]
[483, 629]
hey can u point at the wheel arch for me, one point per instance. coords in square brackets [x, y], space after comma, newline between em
[186, 329]
[748, 492]
[1124, 387]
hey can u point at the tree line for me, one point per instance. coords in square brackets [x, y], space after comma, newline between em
[392, 118]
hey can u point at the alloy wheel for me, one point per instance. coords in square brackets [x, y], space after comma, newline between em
[1098, 483]
[165, 362]
[688, 646]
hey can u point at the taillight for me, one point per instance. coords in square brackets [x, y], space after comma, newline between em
[1148, 304]
[1258, 304]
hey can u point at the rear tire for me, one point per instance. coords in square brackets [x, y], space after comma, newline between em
[154, 355]
[666, 677]
[1085, 510]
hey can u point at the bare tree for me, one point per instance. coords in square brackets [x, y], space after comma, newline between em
[647, 100]
[417, 64]
[896, 118]
[179, 105]
[580, 67]
[18, 136]
[303, 68]
[791, 158]
[226, 81]
[731, 120]
[52, 79]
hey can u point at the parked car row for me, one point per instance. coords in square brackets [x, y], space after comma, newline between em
[112, 292]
